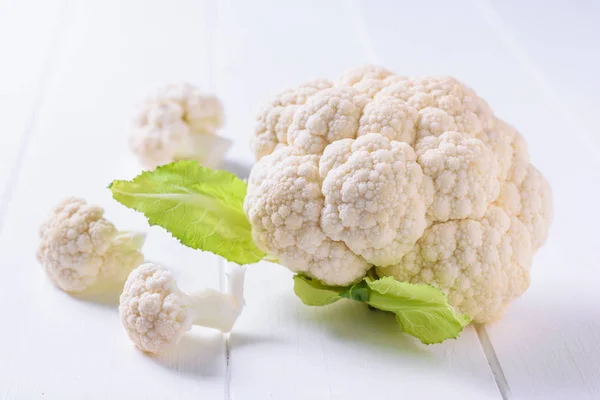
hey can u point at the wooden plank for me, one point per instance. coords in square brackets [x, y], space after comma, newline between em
[22, 65]
[561, 47]
[112, 53]
[280, 348]
[547, 345]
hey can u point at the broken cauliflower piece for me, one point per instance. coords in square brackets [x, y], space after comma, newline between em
[179, 123]
[79, 248]
[156, 314]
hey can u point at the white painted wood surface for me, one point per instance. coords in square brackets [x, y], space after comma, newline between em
[70, 75]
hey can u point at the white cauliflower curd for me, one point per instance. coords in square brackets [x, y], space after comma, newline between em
[79, 248]
[415, 176]
[179, 122]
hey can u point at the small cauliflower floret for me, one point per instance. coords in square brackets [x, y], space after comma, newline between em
[510, 149]
[374, 199]
[471, 113]
[530, 200]
[352, 76]
[434, 122]
[284, 208]
[464, 173]
[156, 314]
[391, 118]
[482, 265]
[79, 248]
[277, 115]
[330, 115]
[179, 123]
[368, 79]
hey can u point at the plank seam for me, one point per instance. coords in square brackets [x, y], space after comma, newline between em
[493, 362]
[227, 349]
[494, 21]
[213, 19]
[28, 132]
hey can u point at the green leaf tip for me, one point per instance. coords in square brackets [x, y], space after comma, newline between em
[199, 206]
[421, 310]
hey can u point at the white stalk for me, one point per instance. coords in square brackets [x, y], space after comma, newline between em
[214, 309]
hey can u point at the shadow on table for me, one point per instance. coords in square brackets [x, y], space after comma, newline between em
[352, 321]
[105, 295]
[381, 344]
[201, 354]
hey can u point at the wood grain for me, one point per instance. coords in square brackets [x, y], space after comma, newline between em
[549, 344]
[27, 42]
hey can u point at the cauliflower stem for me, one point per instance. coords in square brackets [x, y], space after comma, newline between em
[218, 310]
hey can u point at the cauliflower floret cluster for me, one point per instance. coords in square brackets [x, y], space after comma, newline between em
[415, 176]
[179, 122]
[80, 248]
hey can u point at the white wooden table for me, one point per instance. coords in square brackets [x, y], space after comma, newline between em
[70, 75]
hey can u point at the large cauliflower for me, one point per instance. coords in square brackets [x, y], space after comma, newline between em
[412, 175]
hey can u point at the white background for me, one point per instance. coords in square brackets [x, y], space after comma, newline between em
[71, 73]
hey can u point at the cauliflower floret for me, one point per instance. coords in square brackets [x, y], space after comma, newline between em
[80, 248]
[464, 173]
[156, 314]
[347, 176]
[434, 122]
[391, 118]
[179, 123]
[374, 200]
[276, 116]
[471, 113]
[530, 200]
[284, 208]
[482, 265]
[330, 115]
[368, 79]
[356, 75]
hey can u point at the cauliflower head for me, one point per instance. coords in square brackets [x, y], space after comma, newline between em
[80, 248]
[414, 176]
[179, 122]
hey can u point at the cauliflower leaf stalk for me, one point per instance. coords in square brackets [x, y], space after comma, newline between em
[417, 306]
[203, 208]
